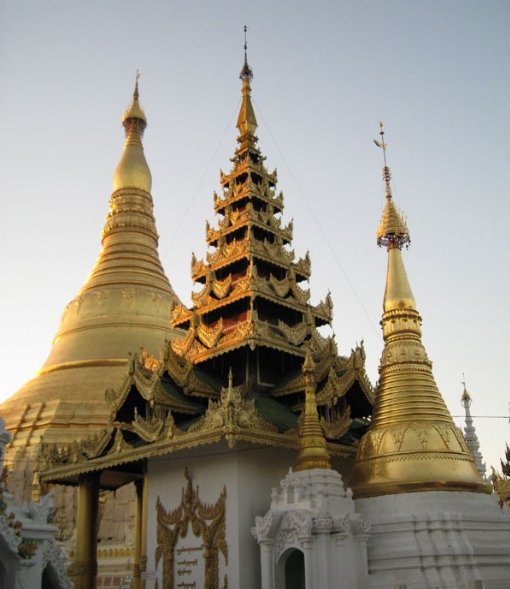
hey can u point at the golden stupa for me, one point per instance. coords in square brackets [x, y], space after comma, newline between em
[412, 443]
[125, 304]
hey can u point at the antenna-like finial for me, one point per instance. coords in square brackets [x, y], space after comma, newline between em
[392, 231]
[246, 72]
[137, 77]
[386, 170]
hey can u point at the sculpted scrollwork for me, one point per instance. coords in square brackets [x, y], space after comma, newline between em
[232, 413]
[205, 521]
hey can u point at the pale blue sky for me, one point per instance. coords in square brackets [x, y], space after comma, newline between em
[438, 75]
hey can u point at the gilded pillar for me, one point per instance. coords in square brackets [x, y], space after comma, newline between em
[83, 570]
[137, 580]
[140, 533]
[143, 527]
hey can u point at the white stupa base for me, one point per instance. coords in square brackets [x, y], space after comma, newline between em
[313, 514]
[437, 539]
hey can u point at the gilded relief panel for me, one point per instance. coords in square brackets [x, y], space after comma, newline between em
[190, 540]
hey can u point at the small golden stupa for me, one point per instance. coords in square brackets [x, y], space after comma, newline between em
[412, 443]
[313, 452]
[125, 304]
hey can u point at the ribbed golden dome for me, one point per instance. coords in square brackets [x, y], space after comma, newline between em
[124, 304]
[412, 443]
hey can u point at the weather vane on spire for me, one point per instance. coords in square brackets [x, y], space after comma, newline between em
[386, 170]
[246, 72]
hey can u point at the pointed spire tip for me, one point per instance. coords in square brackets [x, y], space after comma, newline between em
[246, 71]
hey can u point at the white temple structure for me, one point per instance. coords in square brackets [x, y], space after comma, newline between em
[29, 556]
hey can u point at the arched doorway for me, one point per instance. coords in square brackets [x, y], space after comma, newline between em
[295, 570]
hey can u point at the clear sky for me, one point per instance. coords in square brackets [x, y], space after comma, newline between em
[437, 73]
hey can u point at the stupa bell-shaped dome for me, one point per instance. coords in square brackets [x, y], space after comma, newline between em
[125, 304]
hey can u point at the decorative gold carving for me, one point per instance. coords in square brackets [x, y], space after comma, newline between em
[149, 362]
[206, 521]
[210, 334]
[337, 422]
[232, 413]
[154, 428]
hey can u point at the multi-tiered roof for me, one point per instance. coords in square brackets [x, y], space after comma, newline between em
[252, 314]
[251, 347]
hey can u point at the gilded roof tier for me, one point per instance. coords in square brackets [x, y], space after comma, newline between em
[125, 303]
[412, 443]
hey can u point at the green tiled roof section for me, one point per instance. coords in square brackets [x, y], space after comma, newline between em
[176, 393]
[276, 413]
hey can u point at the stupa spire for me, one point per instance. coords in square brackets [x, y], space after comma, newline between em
[413, 443]
[246, 121]
[313, 452]
[132, 170]
[470, 433]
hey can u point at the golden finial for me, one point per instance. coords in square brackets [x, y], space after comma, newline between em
[392, 231]
[132, 170]
[313, 452]
[135, 110]
[246, 72]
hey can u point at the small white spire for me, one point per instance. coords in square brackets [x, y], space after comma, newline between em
[470, 433]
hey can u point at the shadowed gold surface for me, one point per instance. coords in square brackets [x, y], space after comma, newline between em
[124, 304]
[412, 443]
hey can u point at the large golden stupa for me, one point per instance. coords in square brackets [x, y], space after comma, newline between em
[125, 304]
[412, 443]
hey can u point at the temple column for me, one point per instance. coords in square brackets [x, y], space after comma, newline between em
[84, 568]
[143, 526]
[266, 564]
[140, 533]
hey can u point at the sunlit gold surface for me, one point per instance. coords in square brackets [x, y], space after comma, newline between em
[124, 304]
[313, 452]
[132, 170]
[412, 443]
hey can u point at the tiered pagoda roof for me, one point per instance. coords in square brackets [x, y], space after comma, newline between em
[251, 347]
[252, 313]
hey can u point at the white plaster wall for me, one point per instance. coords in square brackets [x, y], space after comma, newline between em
[437, 539]
[249, 473]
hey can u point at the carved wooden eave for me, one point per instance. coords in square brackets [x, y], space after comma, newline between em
[228, 252]
[122, 454]
[228, 181]
[147, 384]
[249, 217]
[501, 485]
[188, 377]
[249, 190]
[251, 332]
[286, 293]
[356, 372]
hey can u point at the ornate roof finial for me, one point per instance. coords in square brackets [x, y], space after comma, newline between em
[135, 112]
[313, 452]
[246, 72]
[392, 231]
